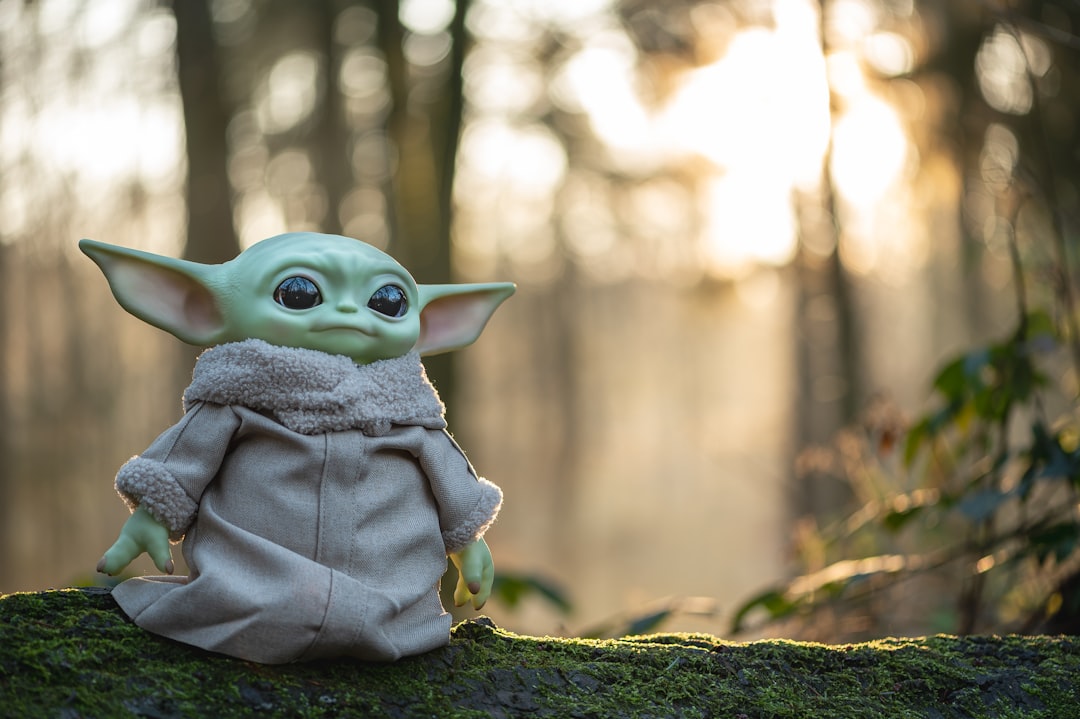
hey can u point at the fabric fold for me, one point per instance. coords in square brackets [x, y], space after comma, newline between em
[317, 501]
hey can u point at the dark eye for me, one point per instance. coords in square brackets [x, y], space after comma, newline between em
[389, 300]
[297, 293]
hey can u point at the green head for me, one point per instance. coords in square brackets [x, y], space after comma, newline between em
[302, 289]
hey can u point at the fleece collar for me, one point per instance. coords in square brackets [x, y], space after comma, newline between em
[313, 392]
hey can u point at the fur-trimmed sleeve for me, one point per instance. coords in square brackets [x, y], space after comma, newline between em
[468, 504]
[169, 477]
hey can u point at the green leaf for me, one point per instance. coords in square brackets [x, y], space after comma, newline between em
[1041, 332]
[645, 620]
[927, 428]
[775, 602]
[511, 589]
[1059, 540]
[902, 508]
[894, 520]
[916, 437]
[951, 381]
[646, 623]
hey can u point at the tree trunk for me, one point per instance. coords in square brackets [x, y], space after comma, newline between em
[330, 139]
[425, 140]
[73, 653]
[829, 360]
[7, 457]
[211, 236]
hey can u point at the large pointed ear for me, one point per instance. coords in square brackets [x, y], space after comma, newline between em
[452, 316]
[174, 295]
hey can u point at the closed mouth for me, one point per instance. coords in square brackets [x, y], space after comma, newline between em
[349, 328]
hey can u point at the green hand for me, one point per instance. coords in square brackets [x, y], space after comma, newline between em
[476, 572]
[141, 533]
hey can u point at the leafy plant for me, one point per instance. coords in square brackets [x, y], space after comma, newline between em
[511, 588]
[984, 495]
[968, 518]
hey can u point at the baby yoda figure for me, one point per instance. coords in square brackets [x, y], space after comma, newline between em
[311, 477]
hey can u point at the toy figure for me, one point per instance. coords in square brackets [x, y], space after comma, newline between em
[311, 477]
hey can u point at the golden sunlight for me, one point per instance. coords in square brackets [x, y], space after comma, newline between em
[871, 160]
[760, 115]
[109, 129]
[869, 152]
[761, 120]
[600, 81]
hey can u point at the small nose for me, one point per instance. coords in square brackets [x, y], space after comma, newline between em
[348, 306]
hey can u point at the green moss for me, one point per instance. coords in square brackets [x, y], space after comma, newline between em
[73, 654]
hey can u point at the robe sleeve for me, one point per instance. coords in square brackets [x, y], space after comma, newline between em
[169, 477]
[468, 504]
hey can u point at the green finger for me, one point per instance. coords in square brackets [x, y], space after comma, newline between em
[162, 557]
[461, 593]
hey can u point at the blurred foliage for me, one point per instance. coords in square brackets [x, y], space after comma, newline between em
[975, 509]
[967, 519]
[511, 588]
[648, 618]
[979, 512]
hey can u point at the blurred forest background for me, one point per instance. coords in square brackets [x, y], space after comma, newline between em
[794, 349]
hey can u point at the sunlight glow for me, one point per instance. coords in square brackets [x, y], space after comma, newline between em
[999, 157]
[869, 151]
[79, 135]
[848, 568]
[1002, 72]
[95, 134]
[156, 34]
[363, 73]
[872, 158]
[56, 15]
[503, 83]
[764, 102]
[528, 159]
[870, 164]
[562, 12]
[509, 174]
[427, 50]
[426, 16]
[106, 22]
[362, 80]
[760, 114]
[849, 21]
[889, 53]
[600, 81]
[588, 219]
[748, 220]
[289, 93]
[258, 216]
[752, 128]
[127, 137]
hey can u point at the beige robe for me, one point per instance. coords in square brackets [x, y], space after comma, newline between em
[317, 500]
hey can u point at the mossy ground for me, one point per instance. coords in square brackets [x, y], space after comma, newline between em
[72, 654]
